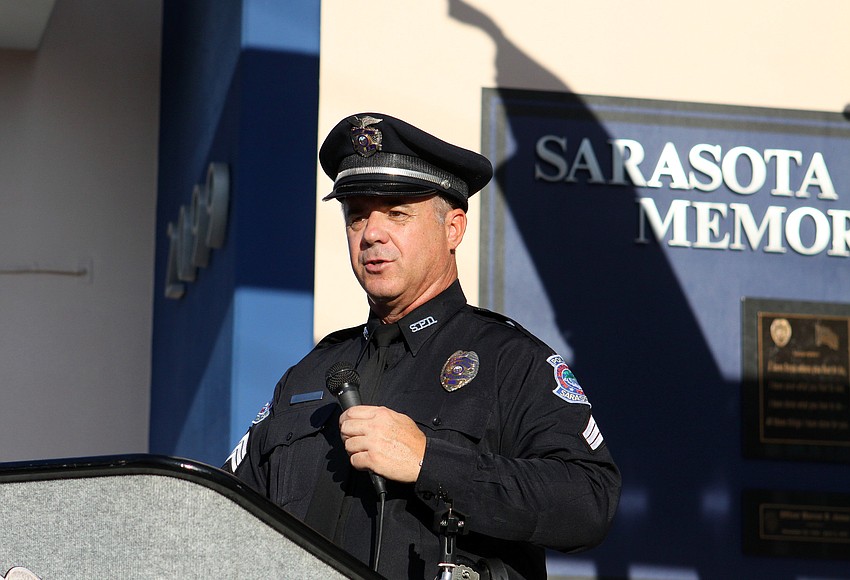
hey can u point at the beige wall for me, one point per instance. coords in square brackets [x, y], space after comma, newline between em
[427, 62]
[78, 144]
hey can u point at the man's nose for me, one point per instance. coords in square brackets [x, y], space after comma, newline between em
[375, 230]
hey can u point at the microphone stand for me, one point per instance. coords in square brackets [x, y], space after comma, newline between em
[451, 525]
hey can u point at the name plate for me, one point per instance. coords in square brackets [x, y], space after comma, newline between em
[796, 524]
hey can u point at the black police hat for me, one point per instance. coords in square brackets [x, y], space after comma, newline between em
[376, 154]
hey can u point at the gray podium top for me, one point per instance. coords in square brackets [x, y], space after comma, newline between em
[145, 516]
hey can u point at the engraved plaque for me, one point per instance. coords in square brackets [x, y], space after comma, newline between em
[796, 388]
[796, 524]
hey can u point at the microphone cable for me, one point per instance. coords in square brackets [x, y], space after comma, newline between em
[379, 533]
[343, 382]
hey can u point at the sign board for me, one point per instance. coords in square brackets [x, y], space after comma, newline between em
[627, 233]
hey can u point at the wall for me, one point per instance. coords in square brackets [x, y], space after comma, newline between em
[78, 141]
[751, 53]
[654, 335]
[242, 100]
[78, 180]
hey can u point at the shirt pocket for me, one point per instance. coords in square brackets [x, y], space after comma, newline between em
[458, 418]
[296, 444]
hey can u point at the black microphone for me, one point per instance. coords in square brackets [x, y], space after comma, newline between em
[343, 382]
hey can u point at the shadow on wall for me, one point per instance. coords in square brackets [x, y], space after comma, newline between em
[667, 414]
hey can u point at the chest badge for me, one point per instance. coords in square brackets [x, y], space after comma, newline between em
[459, 370]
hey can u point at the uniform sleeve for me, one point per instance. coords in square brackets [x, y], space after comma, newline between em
[245, 460]
[549, 478]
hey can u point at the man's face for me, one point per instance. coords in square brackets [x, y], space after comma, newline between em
[400, 251]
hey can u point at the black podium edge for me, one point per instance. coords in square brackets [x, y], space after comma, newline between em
[201, 474]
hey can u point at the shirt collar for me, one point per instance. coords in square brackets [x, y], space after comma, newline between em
[418, 326]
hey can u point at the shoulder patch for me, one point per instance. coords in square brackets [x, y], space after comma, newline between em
[566, 385]
[263, 413]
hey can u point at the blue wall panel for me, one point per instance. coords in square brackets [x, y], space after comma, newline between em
[215, 359]
[654, 331]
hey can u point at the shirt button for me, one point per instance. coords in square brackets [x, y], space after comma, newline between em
[289, 436]
[436, 421]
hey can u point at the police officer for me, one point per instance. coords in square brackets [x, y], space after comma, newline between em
[479, 431]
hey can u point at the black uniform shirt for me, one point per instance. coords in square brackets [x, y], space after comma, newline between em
[510, 442]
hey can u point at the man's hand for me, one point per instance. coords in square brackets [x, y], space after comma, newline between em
[388, 443]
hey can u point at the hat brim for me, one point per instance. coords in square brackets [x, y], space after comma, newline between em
[385, 189]
[374, 188]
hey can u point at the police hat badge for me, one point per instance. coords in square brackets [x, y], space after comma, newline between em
[459, 370]
[366, 140]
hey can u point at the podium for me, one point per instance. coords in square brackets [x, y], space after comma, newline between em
[148, 516]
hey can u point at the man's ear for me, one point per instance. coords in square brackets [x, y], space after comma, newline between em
[455, 227]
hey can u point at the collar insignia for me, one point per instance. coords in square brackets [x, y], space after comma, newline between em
[459, 370]
[366, 140]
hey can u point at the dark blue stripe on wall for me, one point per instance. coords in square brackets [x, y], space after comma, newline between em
[201, 44]
[255, 110]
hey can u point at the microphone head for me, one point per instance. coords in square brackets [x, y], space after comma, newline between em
[339, 375]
